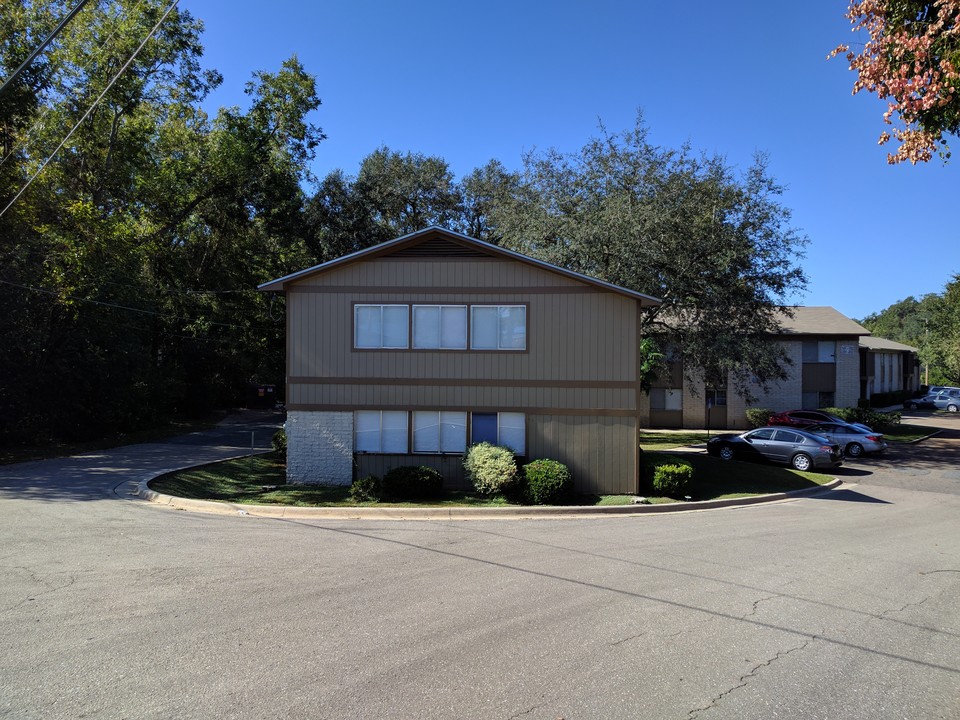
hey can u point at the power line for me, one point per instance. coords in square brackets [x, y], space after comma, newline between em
[91, 108]
[43, 45]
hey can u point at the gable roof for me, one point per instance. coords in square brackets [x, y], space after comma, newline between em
[821, 320]
[879, 343]
[435, 239]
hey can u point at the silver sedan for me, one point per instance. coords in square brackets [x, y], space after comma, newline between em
[854, 439]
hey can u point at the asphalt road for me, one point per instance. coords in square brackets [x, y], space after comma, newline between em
[840, 606]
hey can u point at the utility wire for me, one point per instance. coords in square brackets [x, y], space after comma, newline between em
[43, 45]
[91, 108]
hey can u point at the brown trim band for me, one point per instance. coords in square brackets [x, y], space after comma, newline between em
[461, 382]
[575, 412]
[417, 291]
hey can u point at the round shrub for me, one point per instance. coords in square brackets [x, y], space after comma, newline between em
[365, 489]
[411, 482]
[548, 482]
[279, 441]
[758, 417]
[491, 469]
[672, 480]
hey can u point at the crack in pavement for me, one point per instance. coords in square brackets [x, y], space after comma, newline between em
[757, 602]
[742, 682]
[528, 710]
[885, 613]
[627, 639]
[49, 587]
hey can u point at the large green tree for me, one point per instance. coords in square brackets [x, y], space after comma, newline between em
[715, 244]
[130, 262]
[393, 194]
[930, 324]
[944, 339]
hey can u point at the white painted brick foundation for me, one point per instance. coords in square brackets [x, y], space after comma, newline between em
[319, 447]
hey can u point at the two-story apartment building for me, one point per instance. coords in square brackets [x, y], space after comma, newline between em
[889, 371]
[408, 352]
[822, 346]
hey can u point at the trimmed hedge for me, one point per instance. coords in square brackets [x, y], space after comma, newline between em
[866, 416]
[410, 482]
[758, 417]
[548, 482]
[672, 480]
[279, 441]
[492, 469]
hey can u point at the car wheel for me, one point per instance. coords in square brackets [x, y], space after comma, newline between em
[801, 461]
[951, 408]
[854, 450]
[726, 453]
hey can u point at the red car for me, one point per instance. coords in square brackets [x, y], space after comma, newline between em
[803, 418]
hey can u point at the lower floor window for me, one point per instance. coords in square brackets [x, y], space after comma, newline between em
[439, 432]
[506, 429]
[815, 400]
[435, 431]
[380, 431]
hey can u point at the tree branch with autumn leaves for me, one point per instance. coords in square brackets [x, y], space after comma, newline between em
[912, 60]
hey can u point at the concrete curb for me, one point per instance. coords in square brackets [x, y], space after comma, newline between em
[912, 442]
[456, 513]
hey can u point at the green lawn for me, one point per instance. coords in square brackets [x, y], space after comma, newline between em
[716, 479]
[653, 440]
[260, 480]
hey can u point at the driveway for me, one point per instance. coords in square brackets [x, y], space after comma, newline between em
[840, 606]
[932, 465]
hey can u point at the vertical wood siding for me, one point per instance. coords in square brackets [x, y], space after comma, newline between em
[576, 334]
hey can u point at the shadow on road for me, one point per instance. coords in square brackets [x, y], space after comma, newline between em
[845, 495]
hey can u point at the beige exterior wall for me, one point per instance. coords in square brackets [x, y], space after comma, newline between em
[576, 381]
[575, 332]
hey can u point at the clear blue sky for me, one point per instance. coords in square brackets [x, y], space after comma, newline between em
[475, 81]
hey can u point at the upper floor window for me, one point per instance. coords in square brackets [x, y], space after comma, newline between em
[498, 327]
[440, 327]
[381, 326]
[666, 399]
[819, 351]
